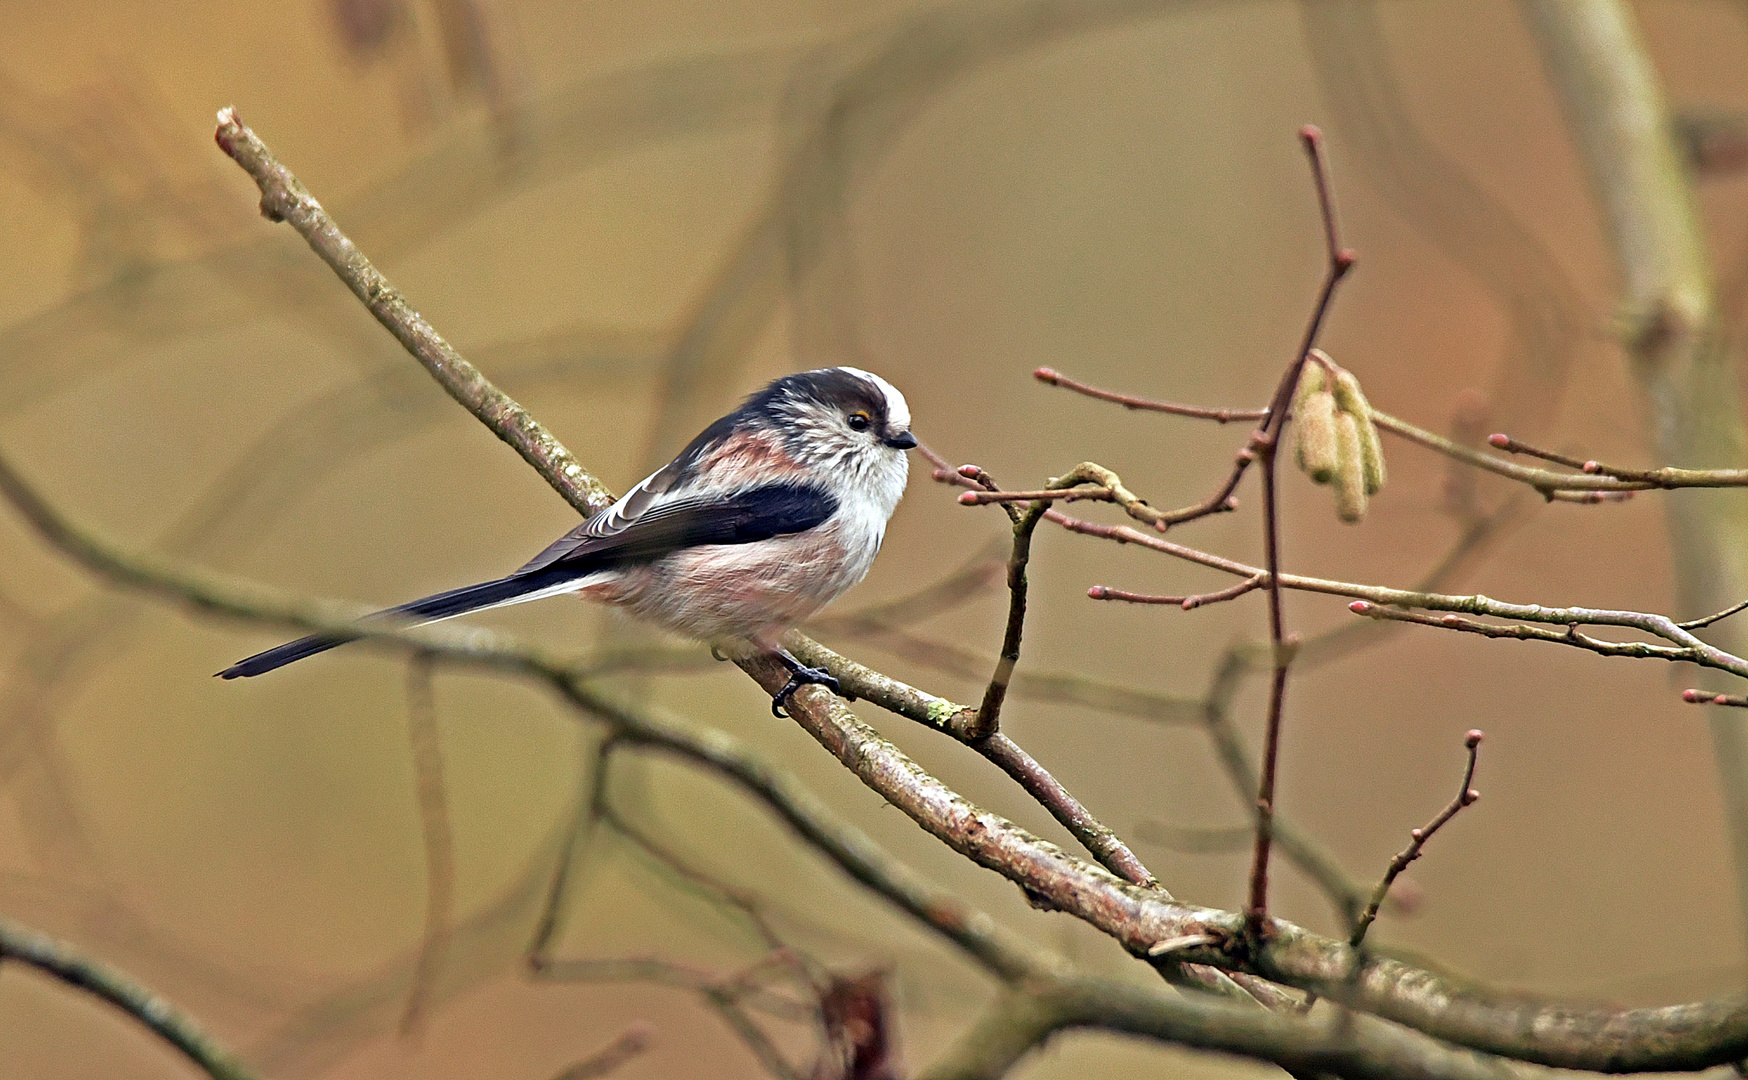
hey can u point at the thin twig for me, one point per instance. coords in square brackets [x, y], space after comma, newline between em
[1129, 401]
[1501, 441]
[1466, 796]
[1188, 603]
[1639, 650]
[1547, 480]
[1700, 697]
[1696, 624]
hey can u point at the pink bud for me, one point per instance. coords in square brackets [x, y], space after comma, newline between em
[969, 472]
[1359, 607]
[1416, 833]
[1473, 738]
[968, 498]
[1592, 467]
[1470, 796]
[1500, 440]
[1097, 592]
[1045, 374]
[1693, 697]
[1311, 133]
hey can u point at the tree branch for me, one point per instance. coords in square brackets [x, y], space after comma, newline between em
[1686, 377]
[62, 964]
[283, 198]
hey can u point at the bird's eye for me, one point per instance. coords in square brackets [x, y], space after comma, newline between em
[858, 421]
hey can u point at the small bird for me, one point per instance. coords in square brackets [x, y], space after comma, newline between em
[766, 517]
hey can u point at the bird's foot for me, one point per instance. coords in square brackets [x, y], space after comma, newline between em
[799, 676]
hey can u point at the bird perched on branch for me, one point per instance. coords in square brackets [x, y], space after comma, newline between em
[761, 521]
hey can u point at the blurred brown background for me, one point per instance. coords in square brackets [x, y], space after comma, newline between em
[629, 214]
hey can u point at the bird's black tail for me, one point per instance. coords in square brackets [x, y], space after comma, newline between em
[444, 605]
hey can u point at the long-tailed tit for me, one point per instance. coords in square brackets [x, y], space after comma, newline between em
[764, 519]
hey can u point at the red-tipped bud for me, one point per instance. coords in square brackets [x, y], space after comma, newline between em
[1346, 257]
[969, 472]
[1592, 467]
[1470, 796]
[1693, 697]
[1360, 607]
[1417, 834]
[1720, 700]
[1311, 133]
[1098, 592]
[1473, 738]
[968, 498]
[1046, 374]
[1499, 439]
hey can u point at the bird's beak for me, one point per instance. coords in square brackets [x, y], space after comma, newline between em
[902, 440]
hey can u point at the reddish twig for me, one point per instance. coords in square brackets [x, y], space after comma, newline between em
[1500, 441]
[1263, 443]
[1465, 796]
[1700, 697]
[1188, 603]
[1128, 401]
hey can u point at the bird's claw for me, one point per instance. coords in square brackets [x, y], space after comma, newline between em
[798, 678]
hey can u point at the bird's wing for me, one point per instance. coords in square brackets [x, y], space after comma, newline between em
[625, 511]
[665, 526]
[667, 523]
[646, 495]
